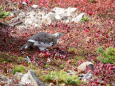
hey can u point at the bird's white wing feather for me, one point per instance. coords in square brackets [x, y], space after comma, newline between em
[30, 40]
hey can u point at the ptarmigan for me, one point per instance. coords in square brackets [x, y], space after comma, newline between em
[42, 40]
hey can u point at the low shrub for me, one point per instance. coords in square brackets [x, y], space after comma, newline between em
[107, 55]
[3, 13]
[61, 77]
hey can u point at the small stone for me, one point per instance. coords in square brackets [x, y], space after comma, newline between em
[51, 84]
[88, 39]
[25, 79]
[86, 77]
[63, 84]
[58, 17]
[24, 3]
[34, 6]
[82, 67]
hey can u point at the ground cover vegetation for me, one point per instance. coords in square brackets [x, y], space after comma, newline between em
[92, 39]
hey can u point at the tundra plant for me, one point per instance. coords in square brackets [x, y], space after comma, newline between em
[61, 77]
[3, 13]
[107, 55]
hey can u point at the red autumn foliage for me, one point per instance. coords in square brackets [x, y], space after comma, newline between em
[88, 36]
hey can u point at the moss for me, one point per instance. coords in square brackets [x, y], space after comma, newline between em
[62, 66]
[5, 57]
[61, 77]
[3, 13]
[18, 68]
[77, 58]
[72, 50]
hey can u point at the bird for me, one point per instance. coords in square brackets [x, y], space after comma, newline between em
[42, 40]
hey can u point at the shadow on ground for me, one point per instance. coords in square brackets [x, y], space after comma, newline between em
[7, 42]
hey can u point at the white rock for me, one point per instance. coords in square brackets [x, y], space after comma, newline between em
[66, 19]
[28, 21]
[11, 14]
[28, 59]
[78, 17]
[34, 6]
[21, 14]
[10, 81]
[82, 67]
[24, 3]
[31, 19]
[47, 21]
[36, 25]
[25, 79]
[48, 18]
[58, 17]
[18, 75]
[37, 17]
[58, 10]
[59, 13]
[50, 14]
[31, 14]
[51, 84]
[62, 12]
[30, 78]
[70, 10]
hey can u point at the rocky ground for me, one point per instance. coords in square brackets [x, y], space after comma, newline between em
[85, 55]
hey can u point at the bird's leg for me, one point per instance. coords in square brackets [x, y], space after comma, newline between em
[26, 46]
[23, 47]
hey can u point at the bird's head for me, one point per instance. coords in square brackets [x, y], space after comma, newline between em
[58, 34]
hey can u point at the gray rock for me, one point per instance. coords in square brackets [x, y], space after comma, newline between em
[30, 78]
[86, 77]
[35, 16]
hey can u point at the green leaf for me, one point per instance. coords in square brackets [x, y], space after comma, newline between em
[84, 19]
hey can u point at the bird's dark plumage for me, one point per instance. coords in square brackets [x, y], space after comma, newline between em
[42, 40]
